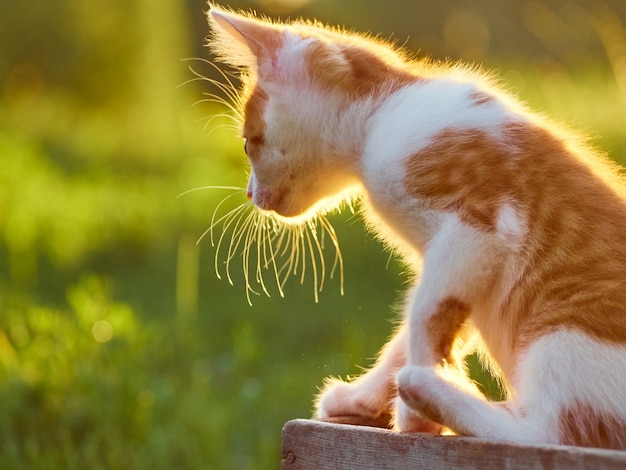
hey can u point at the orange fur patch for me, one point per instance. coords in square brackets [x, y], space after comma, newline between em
[463, 172]
[574, 258]
[443, 326]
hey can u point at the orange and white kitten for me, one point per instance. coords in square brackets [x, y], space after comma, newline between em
[517, 228]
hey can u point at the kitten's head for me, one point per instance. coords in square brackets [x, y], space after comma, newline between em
[302, 86]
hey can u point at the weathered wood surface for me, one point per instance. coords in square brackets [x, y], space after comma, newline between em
[317, 445]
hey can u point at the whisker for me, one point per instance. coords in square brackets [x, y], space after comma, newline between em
[234, 216]
[238, 232]
[219, 100]
[245, 234]
[265, 243]
[228, 88]
[230, 127]
[320, 252]
[273, 261]
[313, 265]
[301, 241]
[225, 75]
[230, 121]
[232, 98]
[231, 118]
[287, 265]
[198, 76]
[266, 237]
[201, 188]
[246, 257]
[231, 93]
[214, 222]
[259, 265]
[286, 238]
[338, 257]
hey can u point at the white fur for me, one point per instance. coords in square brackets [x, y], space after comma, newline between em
[567, 366]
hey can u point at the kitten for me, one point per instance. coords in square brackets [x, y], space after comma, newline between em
[517, 227]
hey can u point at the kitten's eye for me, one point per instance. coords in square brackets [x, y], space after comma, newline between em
[251, 145]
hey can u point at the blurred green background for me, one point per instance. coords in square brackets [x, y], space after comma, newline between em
[119, 347]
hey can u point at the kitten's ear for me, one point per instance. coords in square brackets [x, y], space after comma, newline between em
[243, 41]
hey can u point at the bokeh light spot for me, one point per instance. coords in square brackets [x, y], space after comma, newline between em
[102, 331]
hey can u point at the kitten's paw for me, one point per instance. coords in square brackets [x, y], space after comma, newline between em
[417, 386]
[407, 420]
[343, 400]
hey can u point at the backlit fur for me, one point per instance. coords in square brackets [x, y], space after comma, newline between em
[517, 228]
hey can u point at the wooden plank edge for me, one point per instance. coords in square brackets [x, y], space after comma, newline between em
[309, 444]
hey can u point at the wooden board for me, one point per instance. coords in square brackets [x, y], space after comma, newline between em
[309, 444]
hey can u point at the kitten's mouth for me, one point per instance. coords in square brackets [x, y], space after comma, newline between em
[269, 201]
[262, 198]
[273, 204]
[278, 210]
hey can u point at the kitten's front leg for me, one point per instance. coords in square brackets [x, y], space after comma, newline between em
[434, 326]
[372, 397]
[459, 266]
[369, 398]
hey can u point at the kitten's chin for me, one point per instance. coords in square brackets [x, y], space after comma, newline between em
[274, 204]
[290, 217]
[295, 215]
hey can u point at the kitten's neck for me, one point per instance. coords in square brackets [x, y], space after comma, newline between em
[350, 130]
[402, 124]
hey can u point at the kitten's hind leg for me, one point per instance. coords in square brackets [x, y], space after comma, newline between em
[441, 396]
